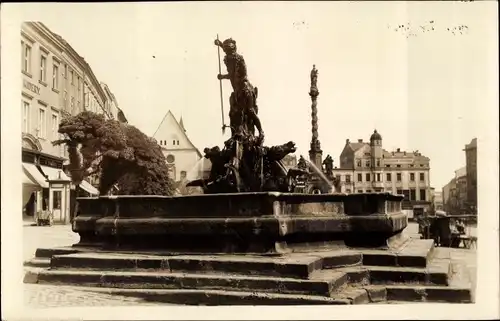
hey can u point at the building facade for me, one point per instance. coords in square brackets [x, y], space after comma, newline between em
[184, 160]
[437, 201]
[367, 167]
[447, 191]
[455, 193]
[55, 81]
[471, 175]
[460, 194]
[110, 105]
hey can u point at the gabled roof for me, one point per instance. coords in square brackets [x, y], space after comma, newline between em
[462, 171]
[357, 146]
[181, 128]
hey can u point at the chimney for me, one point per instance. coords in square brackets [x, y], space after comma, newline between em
[360, 140]
[404, 153]
[347, 141]
[398, 150]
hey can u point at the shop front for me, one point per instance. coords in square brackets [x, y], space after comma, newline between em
[59, 193]
[45, 187]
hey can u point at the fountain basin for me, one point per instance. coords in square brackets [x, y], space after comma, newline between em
[266, 222]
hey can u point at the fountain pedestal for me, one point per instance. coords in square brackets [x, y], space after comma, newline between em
[251, 248]
[241, 223]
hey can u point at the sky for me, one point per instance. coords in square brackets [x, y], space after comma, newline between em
[418, 72]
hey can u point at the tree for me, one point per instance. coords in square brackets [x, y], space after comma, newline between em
[121, 153]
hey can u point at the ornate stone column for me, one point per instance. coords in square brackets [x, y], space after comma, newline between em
[315, 153]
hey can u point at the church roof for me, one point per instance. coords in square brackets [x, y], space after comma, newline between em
[180, 127]
[181, 123]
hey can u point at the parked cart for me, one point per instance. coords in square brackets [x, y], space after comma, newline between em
[44, 217]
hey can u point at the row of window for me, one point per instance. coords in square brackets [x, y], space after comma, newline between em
[40, 130]
[27, 68]
[388, 177]
[368, 164]
[410, 195]
[67, 72]
[174, 142]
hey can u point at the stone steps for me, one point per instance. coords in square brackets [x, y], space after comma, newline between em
[413, 254]
[295, 266]
[415, 273]
[322, 282]
[168, 280]
[38, 262]
[362, 295]
[223, 297]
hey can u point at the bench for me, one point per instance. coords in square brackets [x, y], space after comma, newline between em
[469, 241]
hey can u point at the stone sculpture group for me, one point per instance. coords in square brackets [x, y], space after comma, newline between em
[245, 164]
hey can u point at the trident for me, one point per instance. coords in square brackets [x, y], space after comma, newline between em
[220, 87]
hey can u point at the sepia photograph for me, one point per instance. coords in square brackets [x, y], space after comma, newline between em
[314, 155]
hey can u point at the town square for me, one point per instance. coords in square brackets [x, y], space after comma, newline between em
[328, 157]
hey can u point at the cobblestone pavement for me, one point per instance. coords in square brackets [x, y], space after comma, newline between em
[51, 296]
[46, 236]
[46, 296]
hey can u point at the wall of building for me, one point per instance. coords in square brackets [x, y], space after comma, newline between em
[370, 168]
[181, 155]
[55, 79]
[345, 176]
[455, 194]
[95, 99]
[111, 105]
[471, 173]
[42, 86]
[183, 161]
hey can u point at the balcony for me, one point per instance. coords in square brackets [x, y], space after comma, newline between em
[376, 184]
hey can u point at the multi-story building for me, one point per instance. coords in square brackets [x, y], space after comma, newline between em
[455, 193]
[367, 167]
[461, 191]
[447, 191]
[111, 105]
[471, 175]
[55, 79]
[437, 201]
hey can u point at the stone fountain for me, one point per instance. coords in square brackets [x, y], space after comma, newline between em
[248, 240]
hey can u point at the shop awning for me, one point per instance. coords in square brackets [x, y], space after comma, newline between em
[34, 175]
[86, 186]
[27, 180]
[55, 174]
